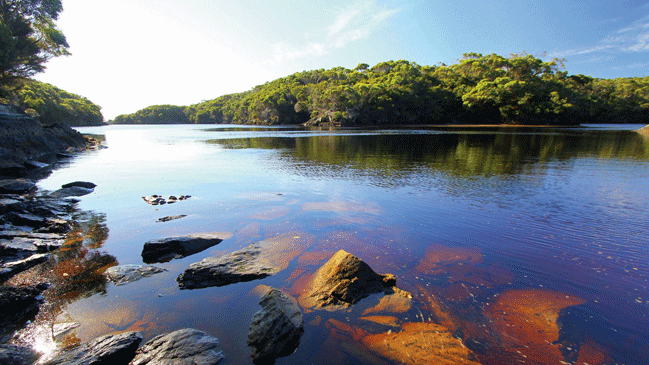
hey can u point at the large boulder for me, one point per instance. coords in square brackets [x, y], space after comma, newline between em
[183, 347]
[344, 280]
[246, 264]
[22, 138]
[167, 249]
[123, 274]
[276, 329]
[109, 350]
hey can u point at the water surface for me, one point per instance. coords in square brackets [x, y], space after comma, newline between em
[475, 223]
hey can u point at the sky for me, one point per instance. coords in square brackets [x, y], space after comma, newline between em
[130, 54]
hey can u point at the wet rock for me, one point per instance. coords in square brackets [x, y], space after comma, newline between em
[276, 329]
[167, 249]
[24, 246]
[171, 217]
[124, 274]
[17, 355]
[18, 305]
[183, 347]
[108, 350]
[25, 219]
[344, 280]
[421, 343]
[80, 184]
[10, 269]
[31, 164]
[242, 265]
[16, 186]
[72, 191]
[12, 169]
[160, 200]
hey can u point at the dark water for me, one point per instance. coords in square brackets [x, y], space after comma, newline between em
[529, 245]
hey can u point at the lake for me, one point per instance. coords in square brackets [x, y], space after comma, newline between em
[528, 244]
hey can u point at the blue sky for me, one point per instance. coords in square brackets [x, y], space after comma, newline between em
[129, 54]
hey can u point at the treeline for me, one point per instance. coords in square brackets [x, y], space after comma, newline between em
[50, 105]
[479, 89]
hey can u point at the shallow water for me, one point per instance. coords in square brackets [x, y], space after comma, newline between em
[489, 229]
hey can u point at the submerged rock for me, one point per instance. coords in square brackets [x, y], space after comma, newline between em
[167, 249]
[344, 280]
[421, 343]
[242, 265]
[171, 217]
[183, 347]
[123, 274]
[17, 355]
[109, 350]
[276, 329]
[72, 191]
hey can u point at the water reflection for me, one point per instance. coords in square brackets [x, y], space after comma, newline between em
[75, 271]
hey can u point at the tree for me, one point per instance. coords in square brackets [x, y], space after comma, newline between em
[28, 37]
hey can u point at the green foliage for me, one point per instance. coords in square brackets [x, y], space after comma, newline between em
[28, 37]
[50, 105]
[492, 89]
[155, 114]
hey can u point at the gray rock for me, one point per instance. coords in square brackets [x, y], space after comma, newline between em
[35, 164]
[72, 191]
[25, 219]
[344, 280]
[108, 350]
[10, 168]
[276, 329]
[10, 269]
[81, 184]
[170, 218]
[16, 186]
[17, 355]
[242, 265]
[123, 274]
[183, 347]
[17, 305]
[167, 249]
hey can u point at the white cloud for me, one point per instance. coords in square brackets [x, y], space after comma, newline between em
[353, 22]
[633, 37]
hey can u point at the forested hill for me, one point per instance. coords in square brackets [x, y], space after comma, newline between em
[50, 105]
[479, 89]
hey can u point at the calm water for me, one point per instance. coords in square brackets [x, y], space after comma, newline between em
[504, 236]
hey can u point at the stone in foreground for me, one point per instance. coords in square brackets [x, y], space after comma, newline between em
[123, 274]
[246, 264]
[109, 349]
[18, 305]
[183, 347]
[276, 329]
[344, 280]
[167, 249]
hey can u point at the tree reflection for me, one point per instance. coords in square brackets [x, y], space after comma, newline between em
[74, 271]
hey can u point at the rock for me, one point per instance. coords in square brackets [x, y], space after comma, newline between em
[421, 343]
[80, 184]
[35, 164]
[344, 280]
[10, 168]
[644, 130]
[166, 249]
[18, 305]
[72, 191]
[242, 265]
[16, 186]
[124, 274]
[276, 329]
[170, 218]
[109, 350]
[160, 200]
[25, 219]
[183, 347]
[17, 355]
[10, 269]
